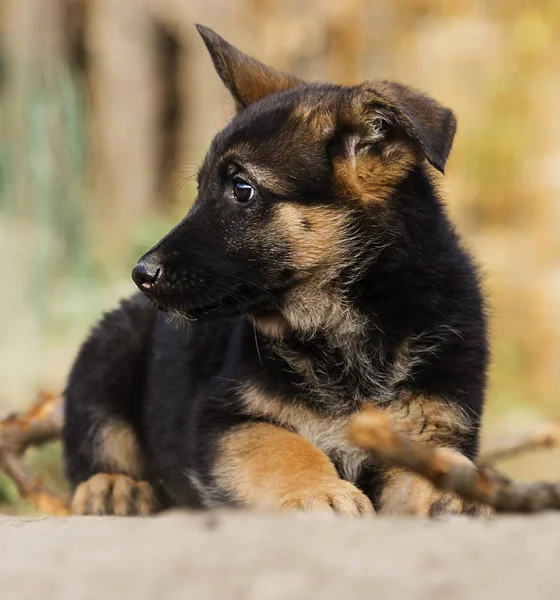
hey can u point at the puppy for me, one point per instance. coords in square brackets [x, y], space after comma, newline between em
[316, 273]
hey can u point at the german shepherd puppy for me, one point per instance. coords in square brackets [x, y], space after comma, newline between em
[316, 273]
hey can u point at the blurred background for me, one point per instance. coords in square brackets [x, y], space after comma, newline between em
[107, 106]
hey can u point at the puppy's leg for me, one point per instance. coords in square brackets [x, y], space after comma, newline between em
[263, 465]
[407, 494]
[103, 398]
[437, 423]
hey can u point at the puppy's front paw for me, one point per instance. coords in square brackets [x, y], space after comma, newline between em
[445, 504]
[118, 495]
[407, 494]
[338, 496]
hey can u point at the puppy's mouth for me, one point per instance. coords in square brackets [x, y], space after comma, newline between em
[226, 305]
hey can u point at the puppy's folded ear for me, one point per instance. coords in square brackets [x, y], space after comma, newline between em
[422, 118]
[424, 121]
[383, 130]
[247, 79]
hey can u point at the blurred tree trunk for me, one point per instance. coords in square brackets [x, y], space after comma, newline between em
[123, 79]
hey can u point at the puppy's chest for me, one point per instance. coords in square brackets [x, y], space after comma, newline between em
[326, 432]
[326, 375]
[329, 435]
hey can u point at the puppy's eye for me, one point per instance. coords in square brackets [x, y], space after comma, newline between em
[242, 191]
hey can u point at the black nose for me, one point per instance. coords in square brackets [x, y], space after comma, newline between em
[146, 274]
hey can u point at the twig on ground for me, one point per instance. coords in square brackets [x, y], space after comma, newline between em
[41, 423]
[546, 436]
[372, 431]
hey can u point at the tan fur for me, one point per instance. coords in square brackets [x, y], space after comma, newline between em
[372, 178]
[363, 173]
[429, 420]
[407, 494]
[318, 119]
[254, 81]
[257, 171]
[105, 494]
[328, 433]
[316, 234]
[247, 79]
[435, 422]
[271, 324]
[320, 242]
[308, 308]
[262, 465]
[118, 450]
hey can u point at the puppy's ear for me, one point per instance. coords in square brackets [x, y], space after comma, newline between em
[247, 79]
[423, 119]
[430, 125]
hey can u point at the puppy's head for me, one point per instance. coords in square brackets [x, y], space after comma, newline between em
[291, 190]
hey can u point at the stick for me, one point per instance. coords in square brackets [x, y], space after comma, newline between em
[371, 430]
[546, 436]
[41, 423]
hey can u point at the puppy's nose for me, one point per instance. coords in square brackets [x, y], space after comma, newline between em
[146, 274]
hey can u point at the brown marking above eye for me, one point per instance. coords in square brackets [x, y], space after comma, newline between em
[306, 224]
[257, 174]
[232, 169]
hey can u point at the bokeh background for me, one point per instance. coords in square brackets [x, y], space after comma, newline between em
[107, 106]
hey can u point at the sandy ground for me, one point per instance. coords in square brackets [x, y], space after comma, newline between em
[238, 555]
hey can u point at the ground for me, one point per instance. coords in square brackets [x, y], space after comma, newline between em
[248, 556]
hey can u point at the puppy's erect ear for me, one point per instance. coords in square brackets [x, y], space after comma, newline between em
[247, 79]
[425, 121]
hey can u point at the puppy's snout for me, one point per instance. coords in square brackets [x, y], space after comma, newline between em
[147, 273]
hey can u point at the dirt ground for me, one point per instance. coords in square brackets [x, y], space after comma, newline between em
[239, 555]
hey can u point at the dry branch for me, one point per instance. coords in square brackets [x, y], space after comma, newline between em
[372, 431]
[40, 424]
[546, 436]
